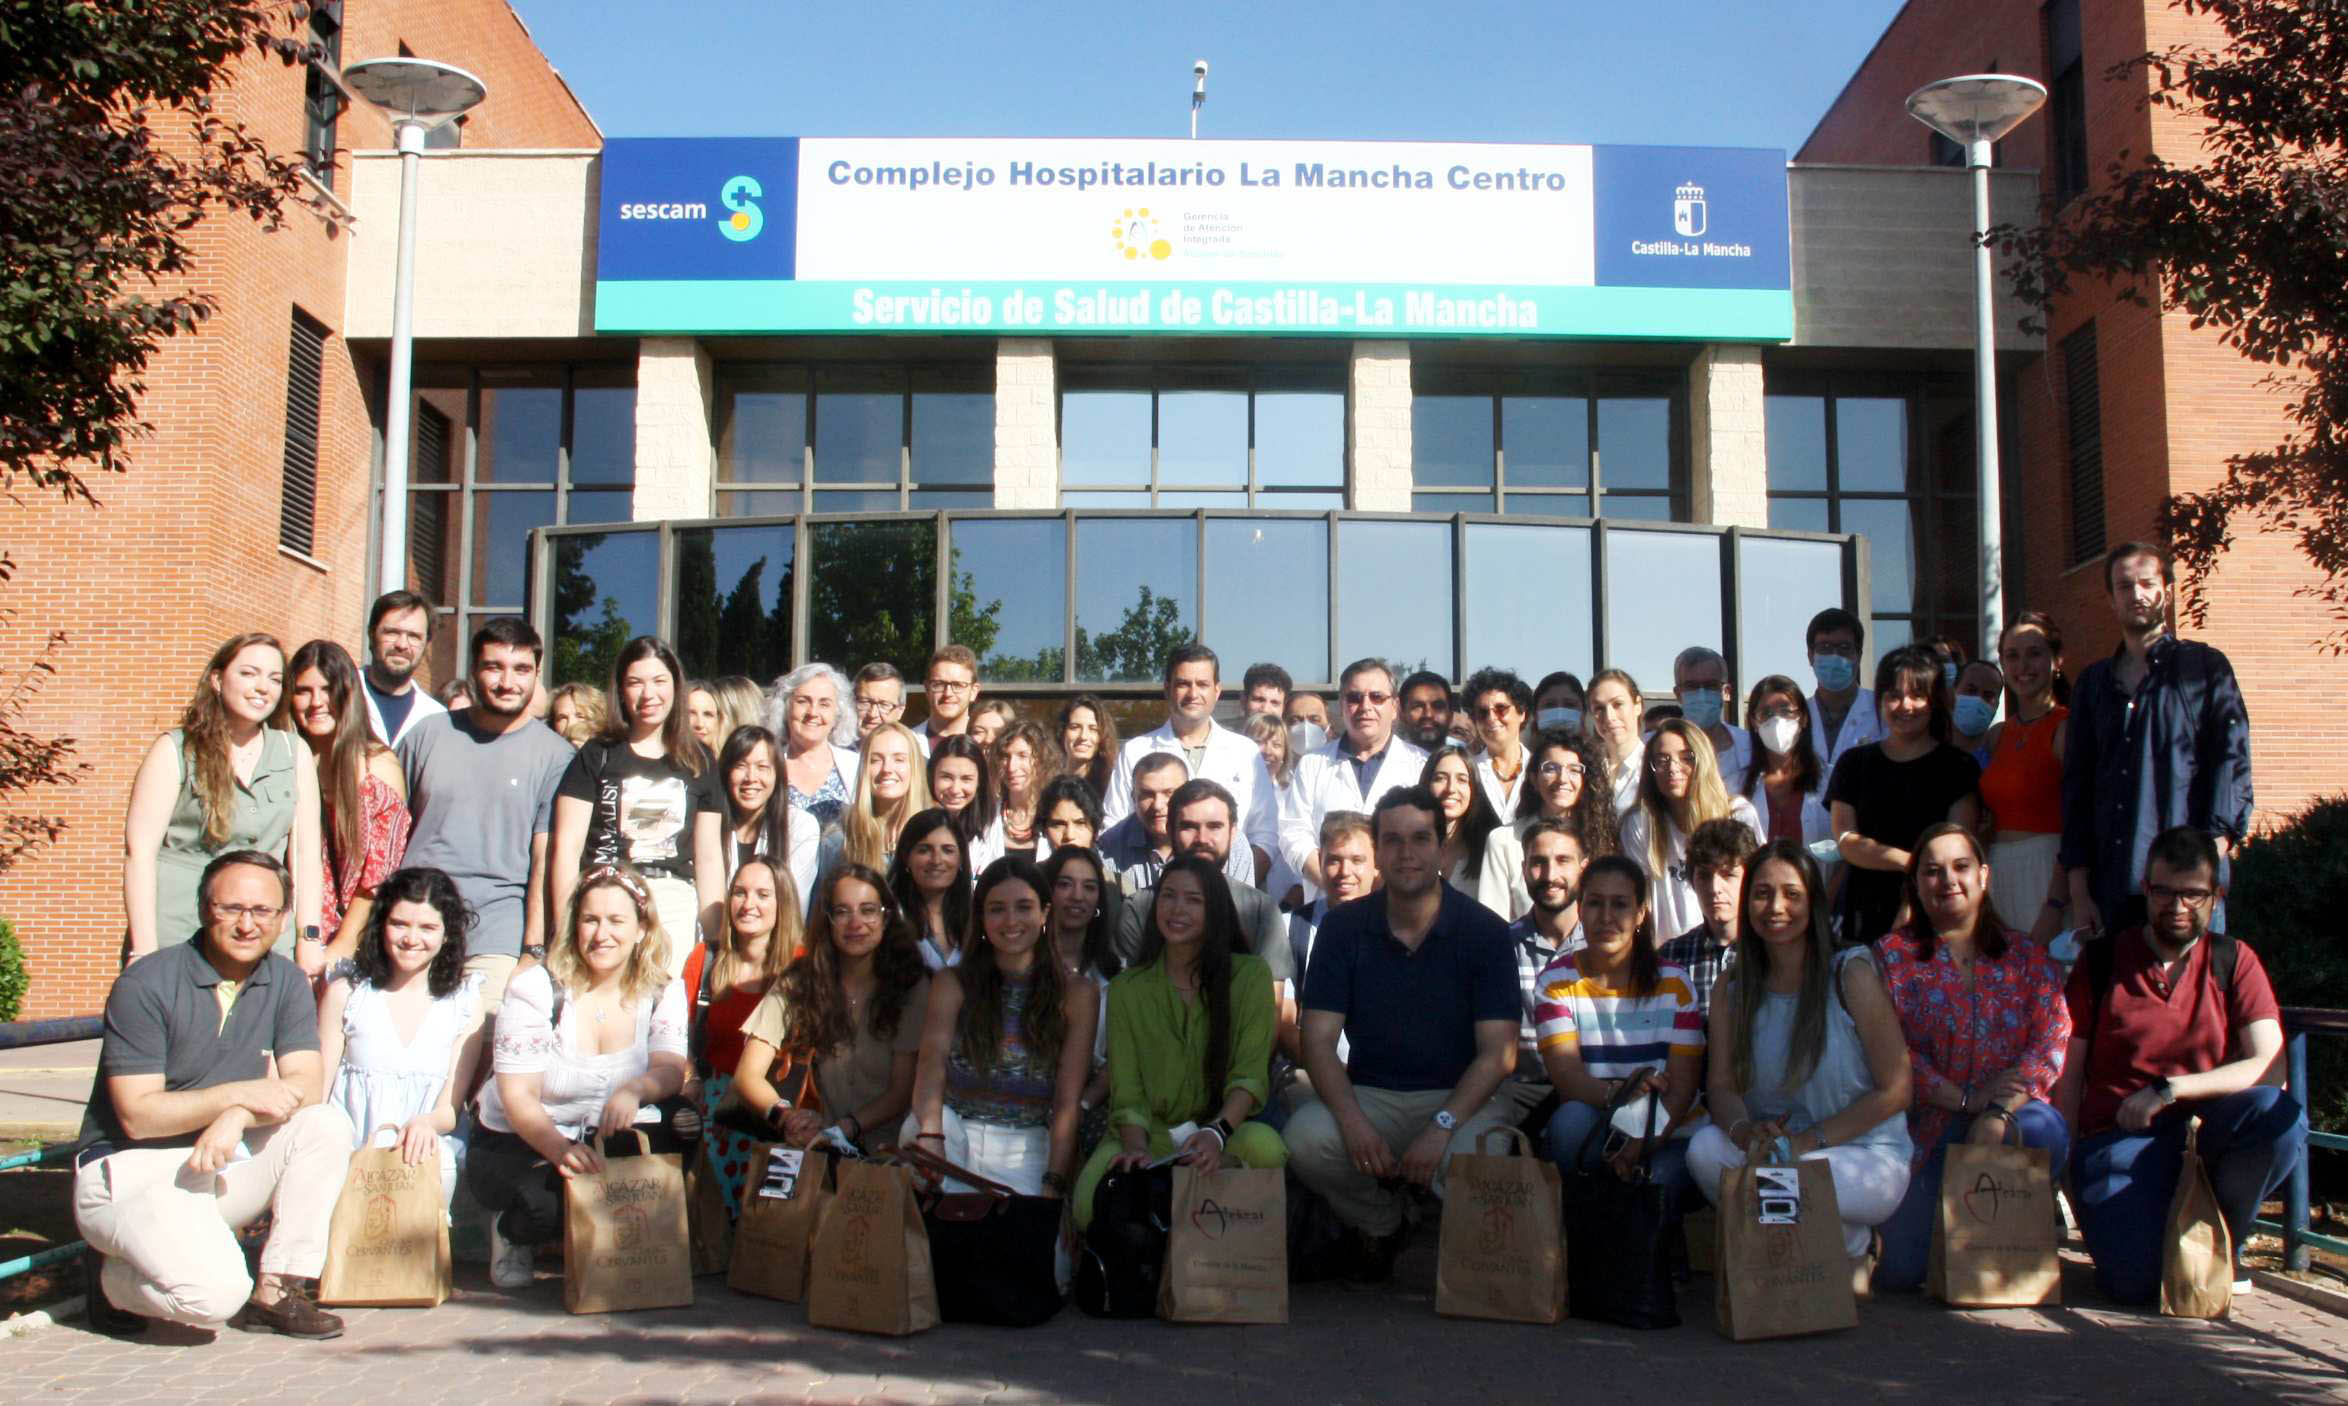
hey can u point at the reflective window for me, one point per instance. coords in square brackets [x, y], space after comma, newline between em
[733, 601]
[1451, 502]
[1451, 441]
[877, 438]
[501, 543]
[1796, 432]
[1547, 439]
[954, 438]
[1871, 444]
[1662, 595]
[1888, 525]
[859, 436]
[1136, 586]
[1394, 594]
[1782, 584]
[521, 432]
[1267, 594]
[605, 594]
[1202, 437]
[761, 432]
[1300, 440]
[603, 431]
[1528, 599]
[1799, 514]
[1105, 438]
[1008, 597]
[600, 505]
[872, 594]
[1522, 444]
[1634, 444]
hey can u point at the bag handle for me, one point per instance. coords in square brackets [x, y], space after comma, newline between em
[1507, 1132]
[1614, 1104]
[938, 1169]
[643, 1143]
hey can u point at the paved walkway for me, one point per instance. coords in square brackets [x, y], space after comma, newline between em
[43, 1088]
[1341, 1345]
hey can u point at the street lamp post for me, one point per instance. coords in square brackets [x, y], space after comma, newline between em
[1974, 111]
[418, 95]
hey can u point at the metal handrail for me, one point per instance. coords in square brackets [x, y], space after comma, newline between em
[26, 1034]
[2299, 1022]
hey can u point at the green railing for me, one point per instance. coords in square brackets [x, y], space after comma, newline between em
[2298, 1240]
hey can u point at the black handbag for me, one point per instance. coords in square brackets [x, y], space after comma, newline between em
[1124, 1251]
[1320, 1246]
[994, 1252]
[1617, 1238]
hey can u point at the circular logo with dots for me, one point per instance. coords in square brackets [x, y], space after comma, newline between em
[1135, 235]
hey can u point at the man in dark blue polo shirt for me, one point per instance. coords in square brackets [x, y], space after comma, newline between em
[1419, 979]
[206, 1114]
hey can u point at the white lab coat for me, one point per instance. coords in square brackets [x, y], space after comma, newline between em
[1324, 782]
[1232, 760]
[1860, 727]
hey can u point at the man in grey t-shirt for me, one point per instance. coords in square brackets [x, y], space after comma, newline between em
[481, 784]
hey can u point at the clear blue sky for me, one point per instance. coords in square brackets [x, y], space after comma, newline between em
[1708, 73]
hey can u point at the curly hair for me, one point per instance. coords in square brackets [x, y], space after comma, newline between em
[1592, 817]
[439, 892]
[815, 1004]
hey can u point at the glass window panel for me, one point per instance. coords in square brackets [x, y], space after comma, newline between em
[449, 637]
[1634, 442]
[1104, 498]
[1528, 599]
[1394, 594]
[1235, 499]
[601, 505]
[1104, 437]
[606, 592]
[1781, 585]
[1202, 437]
[1884, 636]
[758, 504]
[1888, 526]
[501, 544]
[953, 498]
[1662, 595]
[762, 436]
[733, 596]
[953, 437]
[883, 500]
[1871, 444]
[1136, 589]
[1796, 433]
[521, 434]
[434, 548]
[1280, 563]
[1300, 438]
[1956, 564]
[1635, 507]
[1451, 441]
[1292, 501]
[1009, 597]
[603, 434]
[872, 594]
[1798, 514]
[1547, 504]
[859, 436]
[1451, 502]
[1545, 440]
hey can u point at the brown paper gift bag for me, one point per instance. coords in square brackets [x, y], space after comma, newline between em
[387, 1245]
[869, 1269]
[1995, 1231]
[782, 1199]
[1782, 1271]
[709, 1230]
[2197, 1261]
[1503, 1243]
[625, 1239]
[1227, 1260]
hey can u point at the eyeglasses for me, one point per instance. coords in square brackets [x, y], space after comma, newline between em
[1550, 771]
[882, 706]
[952, 685]
[1354, 698]
[2162, 896]
[1670, 762]
[842, 912]
[238, 912]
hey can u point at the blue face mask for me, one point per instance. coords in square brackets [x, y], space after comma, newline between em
[1701, 706]
[1568, 718]
[1948, 675]
[1974, 715]
[1835, 672]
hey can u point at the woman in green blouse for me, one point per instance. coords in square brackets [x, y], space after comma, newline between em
[1191, 1025]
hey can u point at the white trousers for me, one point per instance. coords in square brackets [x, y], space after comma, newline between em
[679, 905]
[1868, 1181]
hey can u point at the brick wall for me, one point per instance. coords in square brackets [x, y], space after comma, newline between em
[184, 551]
[2175, 402]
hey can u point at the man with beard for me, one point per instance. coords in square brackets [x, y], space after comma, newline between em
[1201, 820]
[1717, 855]
[1426, 711]
[2158, 738]
[1553, 876]
[481, 784]
[1209, 751]
[399, 626]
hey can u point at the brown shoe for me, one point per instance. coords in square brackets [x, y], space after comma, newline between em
[295, 1314]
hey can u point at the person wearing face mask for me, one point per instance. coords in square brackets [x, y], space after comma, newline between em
[2022, 784]
[1842, 714]
[1612, 719]
[1557, 703]
[1352, 772]
[1699, 679]
[1973, 711]
[1786, 781]
[1307, 708]
[760, 824]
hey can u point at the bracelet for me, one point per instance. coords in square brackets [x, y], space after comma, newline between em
[1053, 1181]
[776, 1113]
[1997, 1110]
[1221, 1139]
[1222, 1128]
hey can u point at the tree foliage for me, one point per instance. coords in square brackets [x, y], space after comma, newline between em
[2250, 241]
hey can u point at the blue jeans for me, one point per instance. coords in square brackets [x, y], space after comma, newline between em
[1907, 1236]
[2250, 1141]
[1569, 1128]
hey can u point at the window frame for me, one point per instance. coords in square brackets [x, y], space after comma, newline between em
[1157, 380]
[814, 381]
[1593, 387]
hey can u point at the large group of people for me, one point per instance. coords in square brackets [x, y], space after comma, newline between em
[1859, 921]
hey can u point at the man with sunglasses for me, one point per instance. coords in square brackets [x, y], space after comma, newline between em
[1354, 769]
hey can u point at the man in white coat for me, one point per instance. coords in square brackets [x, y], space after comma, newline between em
[1842, 714]
[1357, 767]
[1212, 751]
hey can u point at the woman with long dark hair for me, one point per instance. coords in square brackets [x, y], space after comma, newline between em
[962, 783]
[1469, 823]
[1007, 1044]
[1884, 794]
[833, 1042]
[1786, 782]
[646, 794]
[724, 982]
[1987, 1027]
[229, 777]
[1191, 1027]
[400, 1035]
[1088, 739]
[362, 792]
[1083, 900]
[760, 823]
[931, 882]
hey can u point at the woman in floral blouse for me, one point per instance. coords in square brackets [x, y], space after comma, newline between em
[1982, 1007]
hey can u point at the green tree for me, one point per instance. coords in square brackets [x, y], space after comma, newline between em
[1137, 648]
[2250, 240]
[589, 628]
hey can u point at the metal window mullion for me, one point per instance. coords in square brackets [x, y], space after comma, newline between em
[1834, 475]
[1732, 621]
[806, 478]
[1459, 601]
[1599, 643]
[1068, 600]
[562, 445]
[1590, 422]
[664, 600]
[1153, 444]
[465, 494]
[1331, 665]
[1198, 586]
[942, 559]
[1499, 457]
[802, 588]
[1253, 482]
[905, 459]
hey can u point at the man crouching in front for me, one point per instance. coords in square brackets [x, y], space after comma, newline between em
[206, 1113]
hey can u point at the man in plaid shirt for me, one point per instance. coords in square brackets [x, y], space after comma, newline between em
[1553, 875]
[1717, 854]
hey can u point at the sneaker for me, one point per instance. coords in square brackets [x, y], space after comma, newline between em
[102, 1315]
[296, 1314]
[511, 1266]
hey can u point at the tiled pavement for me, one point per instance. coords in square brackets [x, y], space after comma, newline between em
[1341, 1345]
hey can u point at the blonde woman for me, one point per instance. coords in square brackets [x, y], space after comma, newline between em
[1026, 760]
[740, 702]
[577, 712]
[1679, 789]
[591, 1041]
[1612, 708]
[724, 982]
[891, 785]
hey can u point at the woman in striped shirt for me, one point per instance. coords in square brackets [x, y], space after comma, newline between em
[1611, 1020]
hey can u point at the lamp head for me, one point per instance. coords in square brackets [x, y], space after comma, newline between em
[1198, 89]
[1977, 107]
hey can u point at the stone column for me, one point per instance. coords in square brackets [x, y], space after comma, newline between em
[1377, 433]
[676, 461]
[1728, 445]
[1027, 439]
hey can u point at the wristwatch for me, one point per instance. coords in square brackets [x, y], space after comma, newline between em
[310, 933]
[535, 952]
[776, 1113]
[2166, 1090]
[1445, 1120]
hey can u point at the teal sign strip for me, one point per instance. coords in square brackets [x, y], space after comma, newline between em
[1053, 308]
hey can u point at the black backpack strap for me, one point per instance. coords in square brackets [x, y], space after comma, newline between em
[2101, 955]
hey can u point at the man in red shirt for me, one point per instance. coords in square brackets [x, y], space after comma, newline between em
[2163, 1033]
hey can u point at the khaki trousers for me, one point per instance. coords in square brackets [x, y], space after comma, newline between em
[1316, 1148]
[169, 1235]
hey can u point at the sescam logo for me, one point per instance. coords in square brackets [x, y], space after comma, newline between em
[739, 196]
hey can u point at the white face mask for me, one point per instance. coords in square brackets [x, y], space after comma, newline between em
[1778, 734]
